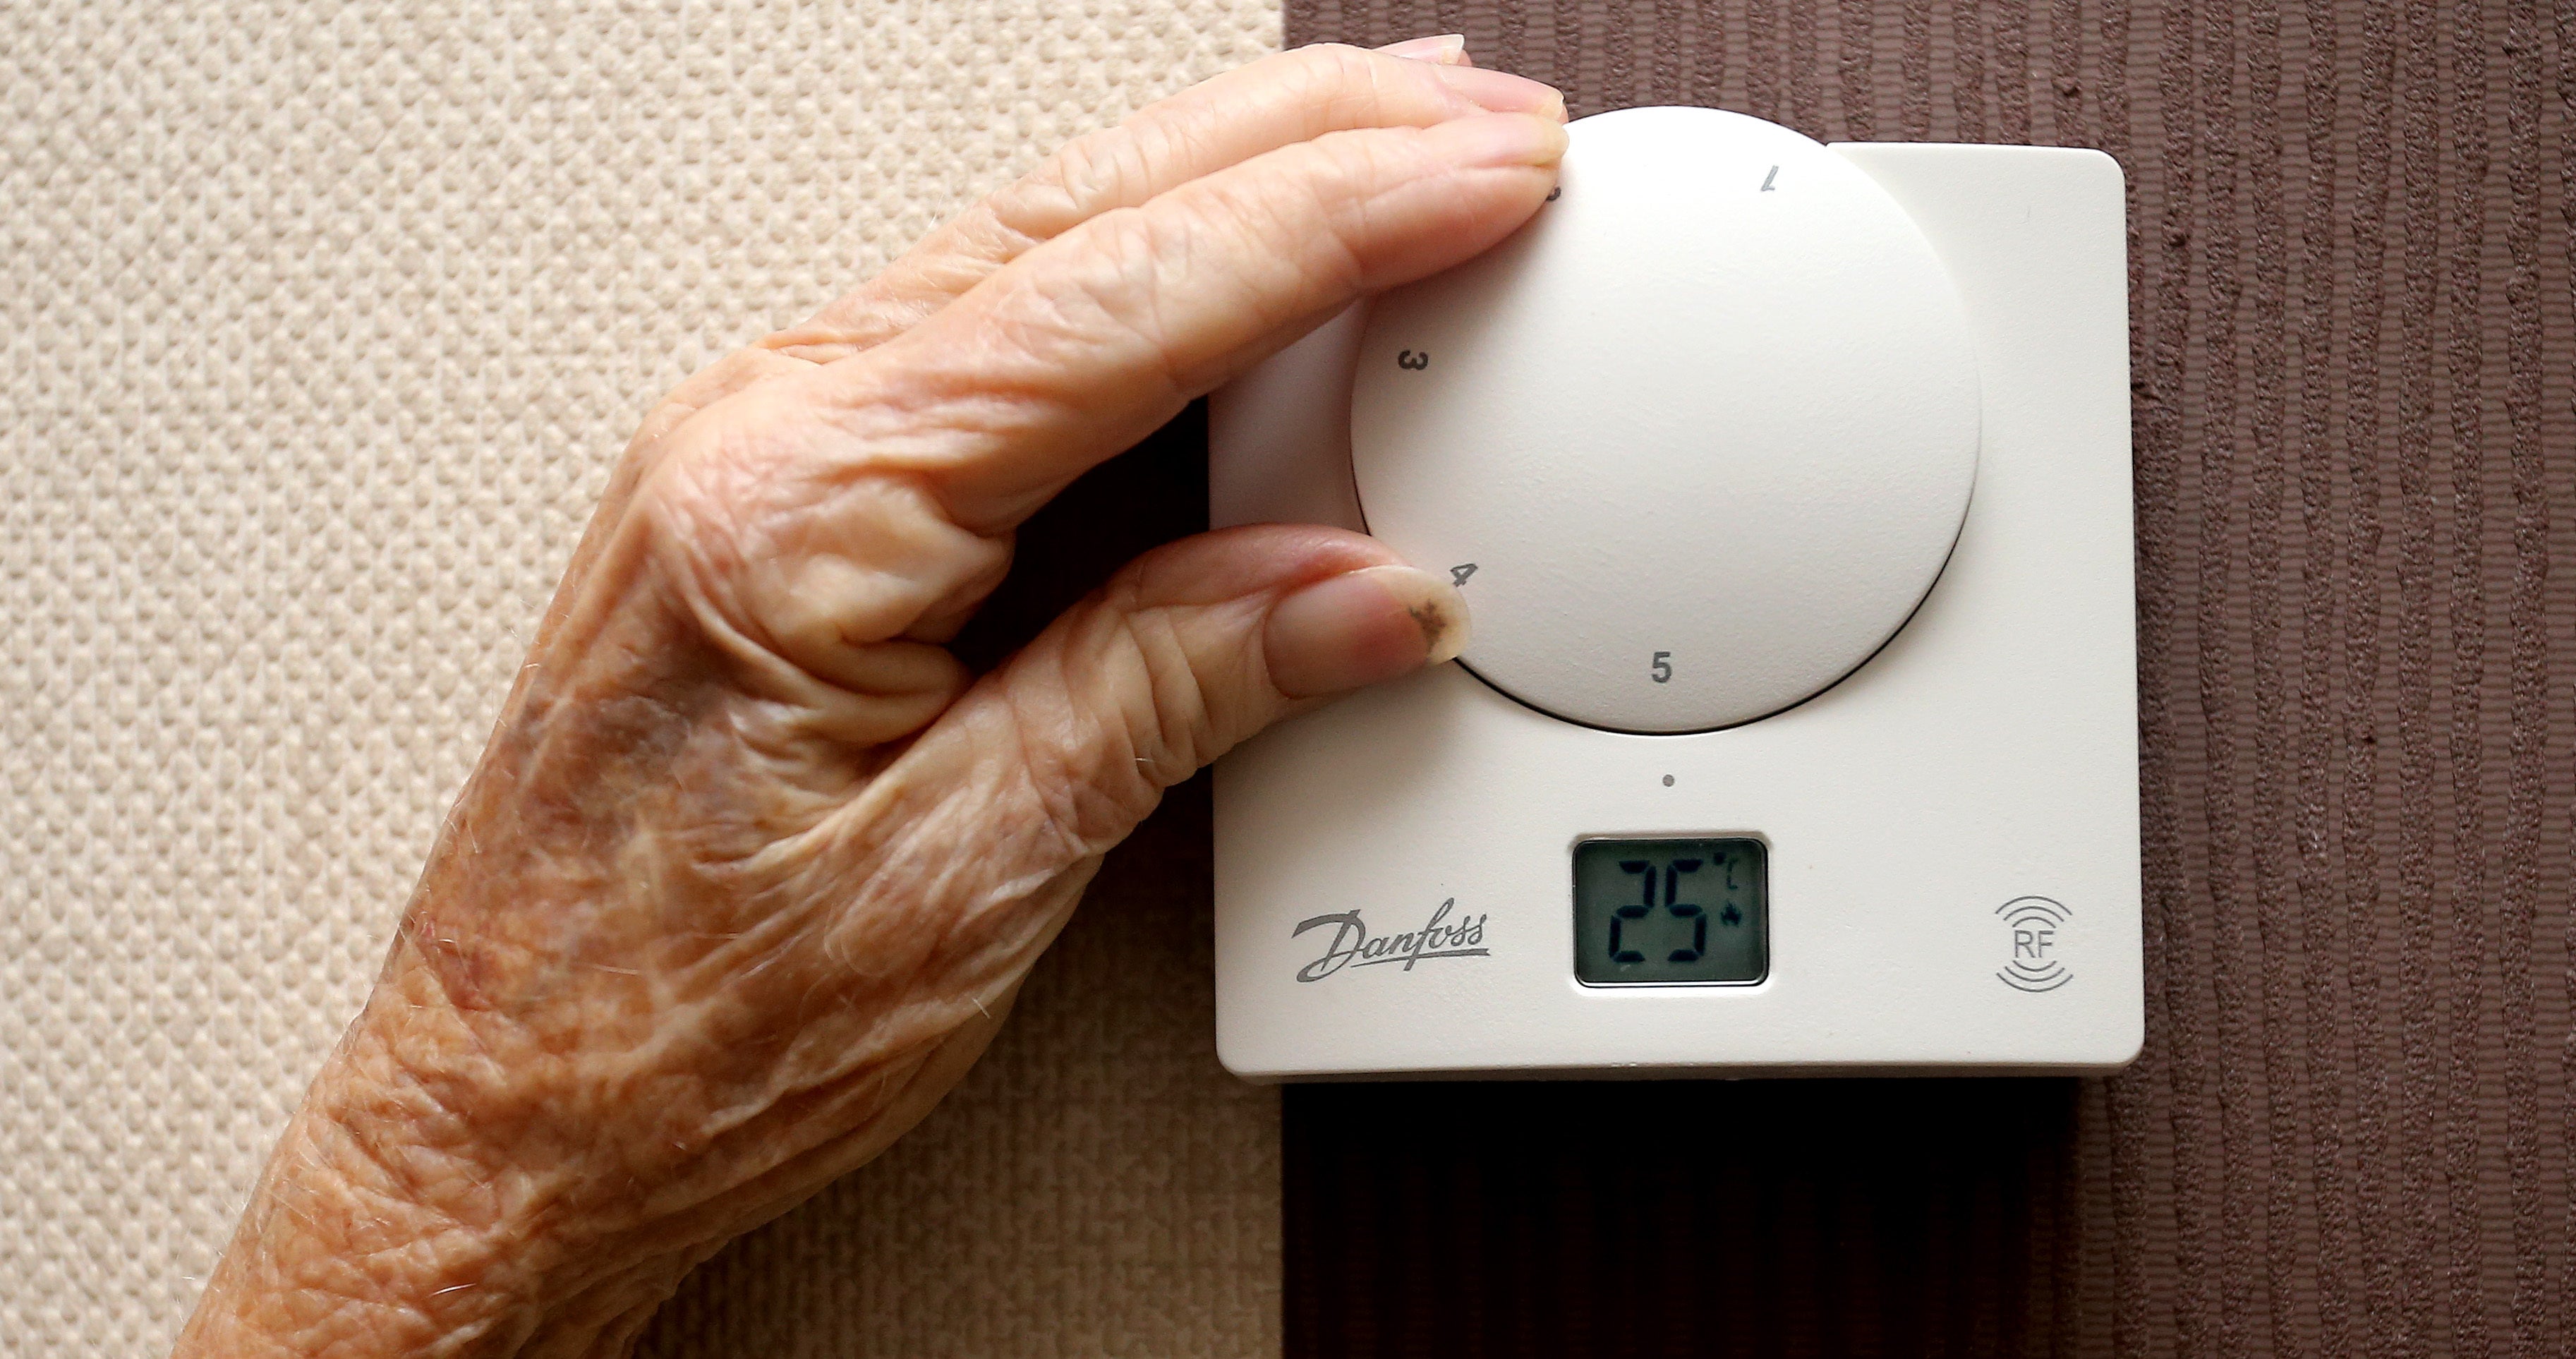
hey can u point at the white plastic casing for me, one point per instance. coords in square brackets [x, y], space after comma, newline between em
[1952, 829]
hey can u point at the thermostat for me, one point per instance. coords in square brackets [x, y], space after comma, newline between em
[1788, 486]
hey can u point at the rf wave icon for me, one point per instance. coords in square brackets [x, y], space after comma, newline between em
[2034, 924]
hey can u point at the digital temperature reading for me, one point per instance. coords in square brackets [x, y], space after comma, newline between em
[1668, 911]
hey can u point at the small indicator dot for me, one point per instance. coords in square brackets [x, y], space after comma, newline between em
[1668, 780]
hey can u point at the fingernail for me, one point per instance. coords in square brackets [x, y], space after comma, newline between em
[1441, 48]
[1503, 92]
[1499, 139]
[1362, 627]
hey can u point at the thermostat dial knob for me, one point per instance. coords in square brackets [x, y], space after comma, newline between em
[1705, 429]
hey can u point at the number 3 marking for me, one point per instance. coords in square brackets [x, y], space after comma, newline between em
[1662, 669]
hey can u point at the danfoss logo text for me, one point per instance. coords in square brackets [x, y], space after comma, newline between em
[1351, 944]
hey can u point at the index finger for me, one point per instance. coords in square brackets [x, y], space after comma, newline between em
[1277, 101]
[1083, 346]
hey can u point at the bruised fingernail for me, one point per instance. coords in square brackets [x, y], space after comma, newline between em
[1498, 139]
[1439, 48]
[1361, 627]
[1503, 92]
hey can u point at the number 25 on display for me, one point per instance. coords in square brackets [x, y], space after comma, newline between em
[1621, 949]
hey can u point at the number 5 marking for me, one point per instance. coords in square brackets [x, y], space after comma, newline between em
[1662, 669]
[1684, 910]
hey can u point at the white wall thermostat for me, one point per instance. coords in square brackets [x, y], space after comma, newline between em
[1788, 487]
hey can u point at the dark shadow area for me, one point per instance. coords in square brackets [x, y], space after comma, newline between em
[1772, 1218]
[1143, 498]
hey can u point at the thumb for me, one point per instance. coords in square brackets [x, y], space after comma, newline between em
[1188, 651]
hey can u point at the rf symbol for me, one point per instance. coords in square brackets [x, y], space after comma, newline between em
[2032, 930]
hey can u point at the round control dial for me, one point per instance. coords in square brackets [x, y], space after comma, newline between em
[1705, 429]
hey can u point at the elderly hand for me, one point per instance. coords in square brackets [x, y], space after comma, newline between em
[753, 868]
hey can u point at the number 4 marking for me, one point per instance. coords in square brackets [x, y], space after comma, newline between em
[1458, 574]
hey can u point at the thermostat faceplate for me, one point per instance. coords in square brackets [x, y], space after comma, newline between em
[1930, 865]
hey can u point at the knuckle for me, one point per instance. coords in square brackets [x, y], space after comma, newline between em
[1308, 209]
[1084, 805]
[1107, 294]
[1283, 200]
[1105, 721]
[1364, 167]
[1360, 157]
[1055, 760]
[1331, 70]
[1063, 189]
[704, 503]
[1372, 88]
[795, 551]
[1167, 727]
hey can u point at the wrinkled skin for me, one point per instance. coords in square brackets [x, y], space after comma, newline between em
[753, 868]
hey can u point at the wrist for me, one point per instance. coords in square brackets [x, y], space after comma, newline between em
[429, 1196]
[385, 1222]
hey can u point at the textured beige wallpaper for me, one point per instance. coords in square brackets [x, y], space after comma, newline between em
[319, 326]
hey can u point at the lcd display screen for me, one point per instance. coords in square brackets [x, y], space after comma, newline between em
[1667, 911]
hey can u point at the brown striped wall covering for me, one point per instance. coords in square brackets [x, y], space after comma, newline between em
[2350, 1130]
